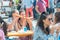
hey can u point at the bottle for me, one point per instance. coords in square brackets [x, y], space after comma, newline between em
[59, 36]
[25, 29]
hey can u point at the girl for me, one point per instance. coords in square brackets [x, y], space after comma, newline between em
[42, 30]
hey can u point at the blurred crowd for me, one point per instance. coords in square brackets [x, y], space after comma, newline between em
[24, 12]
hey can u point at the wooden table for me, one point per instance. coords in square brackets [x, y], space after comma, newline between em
[20, 34]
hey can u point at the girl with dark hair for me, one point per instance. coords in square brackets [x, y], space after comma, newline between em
[24, 21]
[3, 29]
[21, 20]
[42, 29]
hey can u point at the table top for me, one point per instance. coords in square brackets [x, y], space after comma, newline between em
[21, 34]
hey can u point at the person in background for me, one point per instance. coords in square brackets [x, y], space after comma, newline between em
[28, 6]
[12, 7]
[51, 5]
[19, 4]
[47, 5]
[11, 3]
[58, 7]
[42, 30]
[40, 7]
[16, 2]
[3, 29]
[34, 11]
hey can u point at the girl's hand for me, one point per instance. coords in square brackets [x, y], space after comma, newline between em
[27, 17]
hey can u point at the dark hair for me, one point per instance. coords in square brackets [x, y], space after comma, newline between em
[40, 22]
[4, 26]
[57, 17]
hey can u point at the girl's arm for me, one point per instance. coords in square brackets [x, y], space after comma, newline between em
[36, 8]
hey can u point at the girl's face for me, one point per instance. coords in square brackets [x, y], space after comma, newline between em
[22, 13]
[48, 20]
[14, 15]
